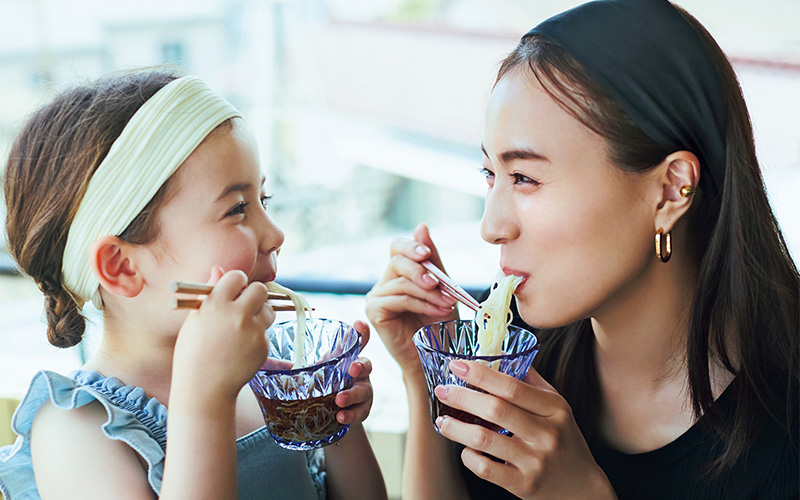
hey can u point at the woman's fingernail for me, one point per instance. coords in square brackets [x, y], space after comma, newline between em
[459, 368]
[439, 422]
[422, 250]
[441, 392]
[430, 279]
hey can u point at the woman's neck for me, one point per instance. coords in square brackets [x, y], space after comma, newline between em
[640, 334]
[640, 351]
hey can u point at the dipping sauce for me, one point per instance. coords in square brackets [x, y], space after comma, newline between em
[301, 420]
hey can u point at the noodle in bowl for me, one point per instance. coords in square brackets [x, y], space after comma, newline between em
[298, 403]
[439, 343]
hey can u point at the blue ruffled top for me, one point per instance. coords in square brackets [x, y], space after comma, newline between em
[265, 470]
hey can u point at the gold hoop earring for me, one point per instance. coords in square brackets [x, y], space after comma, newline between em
[687, 191]
[663, 252]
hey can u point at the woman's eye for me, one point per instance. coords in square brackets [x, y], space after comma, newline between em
[524, 179]
[238, 209]
[488, 174]
[265, 200]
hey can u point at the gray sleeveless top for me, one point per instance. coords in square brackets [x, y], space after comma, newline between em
[265, 470]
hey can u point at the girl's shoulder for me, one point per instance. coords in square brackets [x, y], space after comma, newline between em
[102, 410]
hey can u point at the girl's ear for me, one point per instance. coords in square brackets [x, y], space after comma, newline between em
[677, 177]
[114, 264]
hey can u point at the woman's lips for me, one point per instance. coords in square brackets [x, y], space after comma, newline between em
[508, 272]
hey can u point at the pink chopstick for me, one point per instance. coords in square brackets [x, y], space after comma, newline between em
[451, 287]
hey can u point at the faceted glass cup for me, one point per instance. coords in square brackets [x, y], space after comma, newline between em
[298, 404]
[440, 343]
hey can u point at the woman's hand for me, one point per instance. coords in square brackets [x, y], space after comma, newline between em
[356, 401]
[221, 345]
[407, 298]
[547, 456]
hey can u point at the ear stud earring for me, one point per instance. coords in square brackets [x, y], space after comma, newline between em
[687, 191]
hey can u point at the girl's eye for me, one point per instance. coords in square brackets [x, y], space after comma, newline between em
[238, 209]
[265, 200]
[524, 179]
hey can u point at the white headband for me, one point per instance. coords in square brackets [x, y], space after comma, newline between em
[155, 142]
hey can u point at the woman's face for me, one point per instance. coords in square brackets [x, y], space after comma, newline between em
[217, 215]
[567, 219]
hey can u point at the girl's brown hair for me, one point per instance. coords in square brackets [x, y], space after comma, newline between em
[48, 169]
[746, 307]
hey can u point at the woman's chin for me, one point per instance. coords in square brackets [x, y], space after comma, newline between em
[542, 316]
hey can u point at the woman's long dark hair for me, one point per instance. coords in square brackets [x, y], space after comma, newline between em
[745, 313]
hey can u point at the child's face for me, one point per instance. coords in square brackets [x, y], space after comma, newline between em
[216, 216]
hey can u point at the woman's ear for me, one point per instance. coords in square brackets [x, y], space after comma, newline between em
[678, 176]
[113, 261]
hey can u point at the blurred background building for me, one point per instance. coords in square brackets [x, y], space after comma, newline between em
[369, 117]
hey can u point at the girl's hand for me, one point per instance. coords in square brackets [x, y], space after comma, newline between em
[356, 401]
[221, 345]
[407, 298]
[547, 456]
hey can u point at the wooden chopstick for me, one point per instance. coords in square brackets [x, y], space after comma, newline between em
[196, 303]
[451, 287]
[204, 289]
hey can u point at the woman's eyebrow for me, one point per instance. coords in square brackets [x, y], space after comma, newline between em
[518, 154]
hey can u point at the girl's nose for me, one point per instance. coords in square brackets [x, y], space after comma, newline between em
[271, 237]
[499, 223]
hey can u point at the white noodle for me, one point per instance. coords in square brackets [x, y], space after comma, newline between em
[301, 306]
[494, 316]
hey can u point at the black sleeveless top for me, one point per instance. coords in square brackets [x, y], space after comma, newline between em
[769, 470]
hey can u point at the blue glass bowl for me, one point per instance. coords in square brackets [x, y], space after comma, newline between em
[298, 404]
[440, 343]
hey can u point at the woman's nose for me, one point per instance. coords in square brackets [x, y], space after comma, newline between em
[499, 224]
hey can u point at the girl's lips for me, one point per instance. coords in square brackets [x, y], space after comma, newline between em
[267, 278]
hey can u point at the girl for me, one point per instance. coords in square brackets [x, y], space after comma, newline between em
[613, 127]
[114, 191]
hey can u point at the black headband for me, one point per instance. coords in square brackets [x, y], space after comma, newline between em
[654, 65]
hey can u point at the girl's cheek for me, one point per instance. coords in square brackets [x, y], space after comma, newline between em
[239, 257]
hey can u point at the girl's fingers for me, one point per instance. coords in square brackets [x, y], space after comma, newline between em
[276, 364]
[216, 273]
[360, 392]
[353, 414]
[229, 286]
[254, 298]
[360, 368]
[362, 328]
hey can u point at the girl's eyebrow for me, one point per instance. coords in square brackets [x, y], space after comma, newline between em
[518, 154]
[232, 188]
[239, 187]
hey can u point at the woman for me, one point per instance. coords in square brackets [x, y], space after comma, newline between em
[611, 127]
